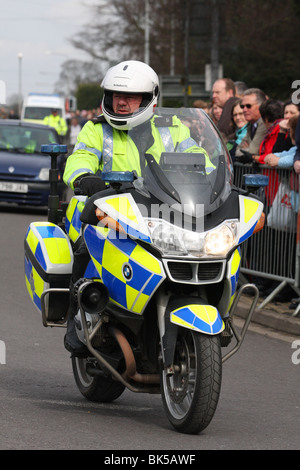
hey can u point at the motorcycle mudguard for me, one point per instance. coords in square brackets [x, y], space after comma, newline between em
[203, 318]
[48, 264]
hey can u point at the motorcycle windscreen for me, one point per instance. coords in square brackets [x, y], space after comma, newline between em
[183, 160]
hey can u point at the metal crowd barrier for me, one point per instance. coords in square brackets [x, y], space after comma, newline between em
[273, 253]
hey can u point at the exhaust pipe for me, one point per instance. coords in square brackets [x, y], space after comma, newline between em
[93, 298]
[131, 372]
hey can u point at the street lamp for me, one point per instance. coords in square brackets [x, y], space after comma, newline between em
[20, 57]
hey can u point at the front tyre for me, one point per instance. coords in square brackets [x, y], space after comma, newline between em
[190, 395]
[98, 388]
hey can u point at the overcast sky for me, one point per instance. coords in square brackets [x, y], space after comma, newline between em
[39, 30]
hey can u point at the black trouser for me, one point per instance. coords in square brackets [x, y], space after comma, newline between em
[81, 260]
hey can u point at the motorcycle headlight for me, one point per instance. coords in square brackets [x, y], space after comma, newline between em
[193, 242]
[175, 241]
[219, 242]
[166, 238]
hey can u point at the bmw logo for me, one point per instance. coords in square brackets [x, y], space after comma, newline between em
[127, 271]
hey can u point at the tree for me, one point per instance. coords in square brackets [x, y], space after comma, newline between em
[262, 44]
[89, 96]
[117, 32]
[258, 40]
[75, 72]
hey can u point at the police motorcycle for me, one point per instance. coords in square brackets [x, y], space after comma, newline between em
[157, 301]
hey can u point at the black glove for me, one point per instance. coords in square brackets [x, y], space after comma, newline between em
[246, 158]
[88, 184]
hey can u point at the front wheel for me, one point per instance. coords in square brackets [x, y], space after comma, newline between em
[190, 394]
[98, 388]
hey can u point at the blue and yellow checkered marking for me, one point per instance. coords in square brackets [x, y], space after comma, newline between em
[234, 271]
[125, 211]
[48, 244]
[73, 213]
[113, 257]
[250, 212]
[34, 283]
[51, 249]
[91, 271]
[202, 318]
[132, 232]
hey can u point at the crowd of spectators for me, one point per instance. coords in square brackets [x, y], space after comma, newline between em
[255, 127]
[259, 130]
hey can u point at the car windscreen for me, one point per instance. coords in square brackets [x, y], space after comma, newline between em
[36, 112]
[25, 139]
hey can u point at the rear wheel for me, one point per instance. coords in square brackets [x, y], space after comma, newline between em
[190, 394]
[99, 388]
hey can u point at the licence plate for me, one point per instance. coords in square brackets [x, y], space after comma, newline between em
[13, 187]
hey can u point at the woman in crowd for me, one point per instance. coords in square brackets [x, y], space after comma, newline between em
[240, 124]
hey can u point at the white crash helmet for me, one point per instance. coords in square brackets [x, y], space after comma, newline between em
[130, 76]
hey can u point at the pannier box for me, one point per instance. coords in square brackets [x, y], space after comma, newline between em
[48, 265]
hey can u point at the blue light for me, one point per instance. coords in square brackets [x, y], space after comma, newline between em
[54, 148]
[118, 176]
[256, 180]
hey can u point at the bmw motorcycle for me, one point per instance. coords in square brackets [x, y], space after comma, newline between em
[157, 301]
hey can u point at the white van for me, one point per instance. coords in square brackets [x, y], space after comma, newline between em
[36, 106]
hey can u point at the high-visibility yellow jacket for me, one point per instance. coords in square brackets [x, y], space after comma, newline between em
[57, 122]
[102, 147]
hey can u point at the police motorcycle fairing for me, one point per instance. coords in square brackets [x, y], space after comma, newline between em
[157, 300]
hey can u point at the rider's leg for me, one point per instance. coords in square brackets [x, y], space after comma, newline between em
[71, 340]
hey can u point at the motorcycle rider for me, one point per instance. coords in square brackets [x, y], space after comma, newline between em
[131, 91]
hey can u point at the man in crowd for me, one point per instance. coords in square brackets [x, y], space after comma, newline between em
[223, 95]
[256, 130]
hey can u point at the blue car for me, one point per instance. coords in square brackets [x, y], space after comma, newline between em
[24, 170]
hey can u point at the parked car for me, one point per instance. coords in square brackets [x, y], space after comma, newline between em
[24, 170]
